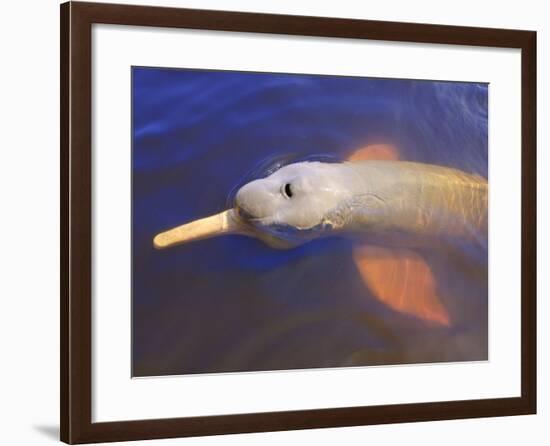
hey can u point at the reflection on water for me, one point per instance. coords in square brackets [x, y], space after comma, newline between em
[234, 304]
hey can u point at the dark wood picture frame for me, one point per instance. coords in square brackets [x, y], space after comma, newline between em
[76, 221]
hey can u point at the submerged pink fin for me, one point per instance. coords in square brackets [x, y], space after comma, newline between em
[375, 152]
[401, 279]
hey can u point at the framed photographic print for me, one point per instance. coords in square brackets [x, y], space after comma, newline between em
[280, 222]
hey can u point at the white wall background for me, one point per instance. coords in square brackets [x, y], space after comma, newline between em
[29, 186]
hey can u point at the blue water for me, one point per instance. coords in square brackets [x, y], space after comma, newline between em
[234, 304]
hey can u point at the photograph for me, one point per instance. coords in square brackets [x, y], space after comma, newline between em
[290, 221]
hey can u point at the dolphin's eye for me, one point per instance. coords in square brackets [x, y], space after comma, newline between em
[287, 190]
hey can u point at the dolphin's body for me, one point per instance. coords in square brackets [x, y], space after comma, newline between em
[395, 203]
[398, 206]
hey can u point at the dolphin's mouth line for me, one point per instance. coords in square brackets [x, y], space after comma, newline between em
[248, 219]
[276, 229]
[245, 216]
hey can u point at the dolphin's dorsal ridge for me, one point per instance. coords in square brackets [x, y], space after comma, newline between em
[386, 152]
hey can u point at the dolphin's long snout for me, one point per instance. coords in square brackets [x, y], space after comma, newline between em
[226, 222]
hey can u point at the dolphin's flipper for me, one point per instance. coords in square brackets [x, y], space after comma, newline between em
[401, 279]
[375, 152]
